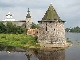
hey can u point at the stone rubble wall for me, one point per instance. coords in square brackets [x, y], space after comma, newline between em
[55, 33]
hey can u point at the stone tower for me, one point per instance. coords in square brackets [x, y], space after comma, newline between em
[50, 54]
[51, 28]
[28, 20]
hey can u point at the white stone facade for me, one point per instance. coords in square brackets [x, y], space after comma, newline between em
[9, 17]
[17, 23]
[28, 23]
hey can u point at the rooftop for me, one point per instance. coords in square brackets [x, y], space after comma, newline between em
[51, 14]
[28, 15]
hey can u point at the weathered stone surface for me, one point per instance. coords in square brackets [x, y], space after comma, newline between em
[50, 55]
[51, 31]
[55, 32]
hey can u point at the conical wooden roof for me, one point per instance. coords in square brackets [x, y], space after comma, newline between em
[51, 14]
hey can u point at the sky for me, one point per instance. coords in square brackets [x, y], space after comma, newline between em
[68, 10]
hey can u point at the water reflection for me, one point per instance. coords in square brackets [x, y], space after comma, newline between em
[72, 53]
[28, 57]
[38, 54]
[47, 54]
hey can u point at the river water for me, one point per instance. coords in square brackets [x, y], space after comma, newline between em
[71, 53]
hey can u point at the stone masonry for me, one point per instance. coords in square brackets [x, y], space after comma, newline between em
[50, 55]
[51, 28]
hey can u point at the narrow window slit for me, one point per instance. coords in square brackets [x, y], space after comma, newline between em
[46, 26]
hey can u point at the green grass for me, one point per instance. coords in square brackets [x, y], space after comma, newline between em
[68, 40]
[18, 40]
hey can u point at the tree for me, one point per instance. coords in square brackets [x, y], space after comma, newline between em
[20, 30]
[10, 27]
[33, 26]
[13, 29]
[2, 28]
[75, 29]
[67, 29]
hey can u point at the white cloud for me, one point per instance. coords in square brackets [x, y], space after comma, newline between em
[68, 10]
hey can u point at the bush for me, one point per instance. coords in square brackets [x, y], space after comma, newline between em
[19, 40]
[11, 29]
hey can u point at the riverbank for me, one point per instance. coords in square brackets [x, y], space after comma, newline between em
[25, 41]
[18, 40]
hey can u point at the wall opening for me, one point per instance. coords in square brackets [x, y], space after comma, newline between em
[50, 21]
[54, 29]
[46, 26]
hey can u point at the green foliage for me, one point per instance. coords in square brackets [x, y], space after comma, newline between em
[33, 26]
[20, 30]
[75, 29]
[36, 37]
[68, 40]
[11, 29]
[17, 40]
[2, 27]
[67, 29]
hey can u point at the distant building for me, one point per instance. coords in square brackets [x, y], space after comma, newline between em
[28, 20]
[9, 17]
[32, 31]
[51, 28]
[23, 23]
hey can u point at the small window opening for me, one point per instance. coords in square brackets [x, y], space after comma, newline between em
[46, 26]
[54, 29]
[50, 21]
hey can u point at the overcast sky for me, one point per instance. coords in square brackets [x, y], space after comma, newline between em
[68, 10]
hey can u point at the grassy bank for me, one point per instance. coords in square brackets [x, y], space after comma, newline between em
[18, 40]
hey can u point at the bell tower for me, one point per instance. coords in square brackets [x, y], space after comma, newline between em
[28, 20]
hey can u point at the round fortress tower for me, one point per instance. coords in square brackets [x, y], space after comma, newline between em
[51, 28]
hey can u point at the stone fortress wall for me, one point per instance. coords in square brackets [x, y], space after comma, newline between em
[17, 23]
[55, 32]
